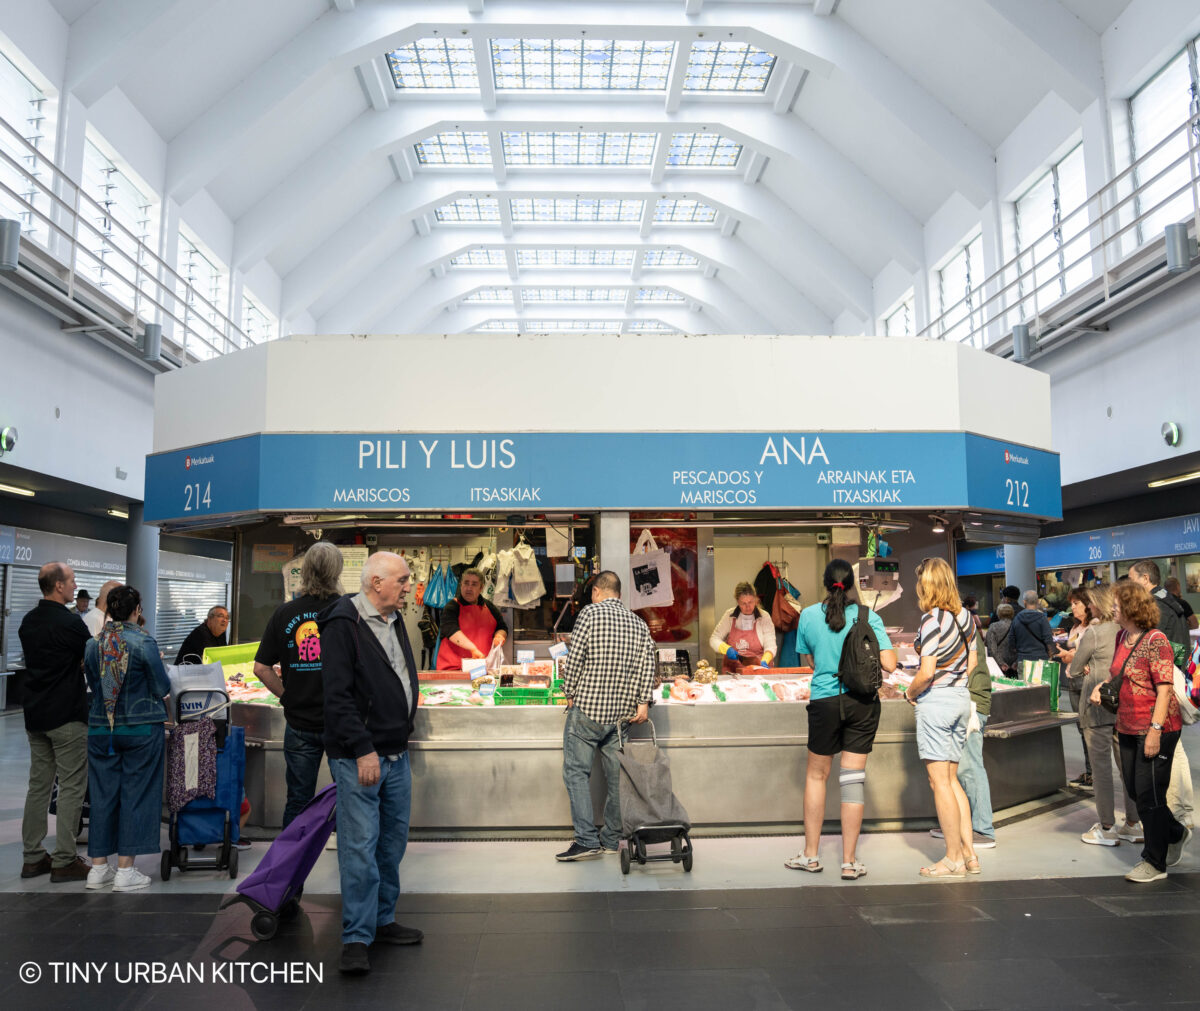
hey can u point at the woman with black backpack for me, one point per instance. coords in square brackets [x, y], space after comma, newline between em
[839, 721]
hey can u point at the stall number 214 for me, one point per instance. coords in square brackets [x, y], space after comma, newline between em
[1018, 493]
[193, 500]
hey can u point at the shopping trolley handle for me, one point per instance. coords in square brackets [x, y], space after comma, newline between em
[624, 724]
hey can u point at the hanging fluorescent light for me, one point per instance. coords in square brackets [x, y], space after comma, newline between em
[1177, 479]
[14, 490]
[118, 513]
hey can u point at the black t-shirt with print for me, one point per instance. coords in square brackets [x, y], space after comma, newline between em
[291, 640]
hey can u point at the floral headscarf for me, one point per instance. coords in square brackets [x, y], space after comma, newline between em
[114, 664]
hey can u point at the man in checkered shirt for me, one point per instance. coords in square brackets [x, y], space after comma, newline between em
[609, 672]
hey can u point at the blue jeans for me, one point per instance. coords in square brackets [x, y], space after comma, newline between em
[372, 827]
[125, 782]
[972, 776]
[581, 737]
[302, 753]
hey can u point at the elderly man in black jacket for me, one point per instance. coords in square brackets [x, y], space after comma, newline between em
[370, 682]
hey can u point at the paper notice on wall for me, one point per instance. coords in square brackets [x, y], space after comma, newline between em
[354, 557]
[269, 557]
[291, 577]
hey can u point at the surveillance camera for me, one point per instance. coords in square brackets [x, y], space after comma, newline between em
[8, 438]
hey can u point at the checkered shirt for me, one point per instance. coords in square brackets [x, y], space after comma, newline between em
[610, 666]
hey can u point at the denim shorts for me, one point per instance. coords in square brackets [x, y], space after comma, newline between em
[942, 718]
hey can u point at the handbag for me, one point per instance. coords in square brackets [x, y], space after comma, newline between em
[1110, 690]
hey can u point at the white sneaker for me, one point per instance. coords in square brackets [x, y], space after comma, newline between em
[1131, 833]
[937, 833]
[1098, 835]
[129, 879]
[100, 875]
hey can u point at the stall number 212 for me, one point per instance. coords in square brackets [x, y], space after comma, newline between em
[1018, 493]
[193, 500]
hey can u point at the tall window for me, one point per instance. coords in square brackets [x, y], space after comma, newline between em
[204, 296]
[257, 324]
[958, 301]
[28, 115]
[118, 222]
[900, 321]
[1051, 235]
[1157, 111]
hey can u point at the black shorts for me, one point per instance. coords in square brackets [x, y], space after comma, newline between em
[842, 723]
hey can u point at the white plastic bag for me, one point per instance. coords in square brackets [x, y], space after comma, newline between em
[502, 597]
[650, 569]
[527, 584]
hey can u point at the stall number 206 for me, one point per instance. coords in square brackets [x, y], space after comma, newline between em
[1018, 493]
[194, 500]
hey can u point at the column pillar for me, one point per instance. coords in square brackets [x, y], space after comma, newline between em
[1020, 568]
[141, 562]
[614, 548]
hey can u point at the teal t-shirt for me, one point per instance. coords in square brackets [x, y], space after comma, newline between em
[816, 638]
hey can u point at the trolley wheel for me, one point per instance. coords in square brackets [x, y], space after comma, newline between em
[290, 909]
[182, 858]
[165, 866]
[641, 851]
[233, 863]
[687, 859]
[625, 861]
[676, 849]
[263, 924]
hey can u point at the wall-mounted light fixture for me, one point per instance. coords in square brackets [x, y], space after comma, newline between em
[1177, 479]
[12, 489]
[1022, 343]
[1179, 248]
[10, 244]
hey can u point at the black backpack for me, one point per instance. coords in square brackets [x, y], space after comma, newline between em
[859, 669]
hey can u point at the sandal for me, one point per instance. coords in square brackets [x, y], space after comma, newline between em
[853, 870]
[972, 865]
[944, 869]
[802, 863]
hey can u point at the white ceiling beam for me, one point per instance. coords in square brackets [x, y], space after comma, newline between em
[1069, 50]
[474, 6]
[693, 7]
[464, 320]
[371, 79]
[789, 90]
[823, 8]
[510, 262]
[483, 70]
[345, 6]
[495, 142]
[752, 171]
[106, 41]
[506, 219]
[518, 300]
[678, 77]
[647, 223]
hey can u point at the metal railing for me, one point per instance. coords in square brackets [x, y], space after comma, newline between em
[1100, 250]
[72, 245]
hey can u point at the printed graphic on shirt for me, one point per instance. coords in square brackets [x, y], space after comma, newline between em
[308, 642]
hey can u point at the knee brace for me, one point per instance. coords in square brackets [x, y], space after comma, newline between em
[852, 782]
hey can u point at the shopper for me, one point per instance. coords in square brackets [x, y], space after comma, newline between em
[82, 600]
[939, 692]
[211, 632]
[95, 617]
[838, 722]
[125, 744]
[1032, 638]
[999, 640]
[1090, 666]
[53, 639]
[370, 682]
[471, 626]
[1073, 684]
[1010, 595]
[609, 674]
[745, 634]
[292, 640]
[1171, 585]
[1148, 726]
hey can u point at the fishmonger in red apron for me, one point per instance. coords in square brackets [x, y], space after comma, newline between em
[471, 626]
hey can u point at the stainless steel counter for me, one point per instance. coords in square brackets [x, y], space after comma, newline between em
[735, 765]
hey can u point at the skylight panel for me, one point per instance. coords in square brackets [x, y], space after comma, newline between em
[659, 295]
[469, 209]
[455, 147]
[650, 326]
[728, 66]
[676, 211]
[575, 257]
[499, 326]
[573, 294]
[581, 325]
[434, 63]
[669, 258]
[480, 257]
[490, 295]
[581, 64]
[576, 209]
[586, 147]
[703, 150]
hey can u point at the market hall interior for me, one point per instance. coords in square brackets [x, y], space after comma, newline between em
[701, 292]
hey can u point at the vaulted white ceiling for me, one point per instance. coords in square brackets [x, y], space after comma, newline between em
[876, 112]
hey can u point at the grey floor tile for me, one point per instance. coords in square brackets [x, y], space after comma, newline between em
[1151, 978]
[672, 920]
[932, 912]
[546, 921]
[577, 991]
[871, 985]
[700, 990]
[787, 917]
[546, 953]
[970, 984]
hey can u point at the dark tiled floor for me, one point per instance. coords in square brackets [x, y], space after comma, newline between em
[1060, 943]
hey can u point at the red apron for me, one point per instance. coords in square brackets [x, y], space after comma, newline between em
[478, 624]
[746, 642]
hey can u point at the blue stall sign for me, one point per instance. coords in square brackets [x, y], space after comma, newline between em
[8, 541]
[1179, 535]
[980, 561]
[534, 472]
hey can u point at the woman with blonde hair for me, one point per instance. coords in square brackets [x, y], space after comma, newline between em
[745, 634]
[946, 646]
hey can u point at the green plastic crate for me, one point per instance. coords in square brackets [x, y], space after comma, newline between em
[522, 696]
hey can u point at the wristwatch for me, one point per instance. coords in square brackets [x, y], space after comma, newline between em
[1156, 726]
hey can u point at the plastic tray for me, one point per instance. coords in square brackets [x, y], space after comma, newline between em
[522, 696]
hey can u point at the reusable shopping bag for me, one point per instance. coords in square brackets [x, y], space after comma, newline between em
[650, 568]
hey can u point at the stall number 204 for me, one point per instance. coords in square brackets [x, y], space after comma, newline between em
[194, 500]
[1018, 493]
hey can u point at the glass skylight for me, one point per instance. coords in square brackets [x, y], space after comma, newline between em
[669, 258]
[581, 64]
[585, 325]
[658, 295]
[455, 147]
[676, 211]
[480, 256]
[434, 63]
[650, 326]
[490, 295]
[707, 150]
[576, 209]
[727, 66]
[575, 257]
[573, 294]
[499, 326]
[575, 147]
[469, 209]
